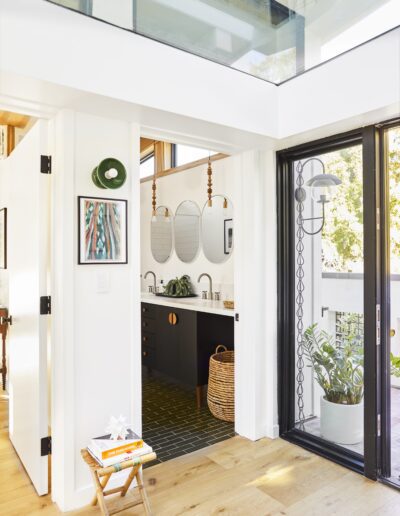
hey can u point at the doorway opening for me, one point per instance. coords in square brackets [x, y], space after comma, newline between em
[186, 277]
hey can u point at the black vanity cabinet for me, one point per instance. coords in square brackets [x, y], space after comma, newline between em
[179, 342]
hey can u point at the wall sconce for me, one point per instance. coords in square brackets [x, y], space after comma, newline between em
[110, 173]
[321, 186]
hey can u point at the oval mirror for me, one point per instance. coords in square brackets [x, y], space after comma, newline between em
[161, 234]
[187, 231]
[217, 229]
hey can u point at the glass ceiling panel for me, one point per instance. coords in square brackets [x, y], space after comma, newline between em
[271, 40]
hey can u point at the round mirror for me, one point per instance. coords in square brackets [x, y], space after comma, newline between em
[217, 229]
[161, 234]
[187, 231]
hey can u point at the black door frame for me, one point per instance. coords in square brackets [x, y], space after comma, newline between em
[369, 137]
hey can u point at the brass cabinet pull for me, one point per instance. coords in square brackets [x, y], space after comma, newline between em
[172, 319]
[144, 339]
[392, 332]
[145, 353]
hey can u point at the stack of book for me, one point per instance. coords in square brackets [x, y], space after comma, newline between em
[109, 451]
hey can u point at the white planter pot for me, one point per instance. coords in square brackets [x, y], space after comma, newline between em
[342, 424]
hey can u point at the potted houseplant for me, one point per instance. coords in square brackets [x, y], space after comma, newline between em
[339, 370]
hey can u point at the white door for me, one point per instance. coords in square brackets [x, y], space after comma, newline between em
[28, 251]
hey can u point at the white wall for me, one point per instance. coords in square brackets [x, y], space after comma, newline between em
[171, 191]
[255, 293]
[68, 49]
[96, 352]
[360, 87]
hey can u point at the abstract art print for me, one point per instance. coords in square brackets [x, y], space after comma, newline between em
[3, 238]
[102, 230]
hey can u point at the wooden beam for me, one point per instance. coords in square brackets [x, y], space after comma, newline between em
[10, 139]
[14, 119]
[187, 166]
[145, 143]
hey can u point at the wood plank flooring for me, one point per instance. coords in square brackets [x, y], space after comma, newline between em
[235, 477]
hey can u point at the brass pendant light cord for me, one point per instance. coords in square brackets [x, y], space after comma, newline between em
[154, 197]
[209, 182]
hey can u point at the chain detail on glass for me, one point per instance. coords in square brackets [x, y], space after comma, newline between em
[299, 297]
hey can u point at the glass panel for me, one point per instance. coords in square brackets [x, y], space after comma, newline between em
[329, 297]
[147, 167]
[268, 39]
[185, 154]
[392, 158]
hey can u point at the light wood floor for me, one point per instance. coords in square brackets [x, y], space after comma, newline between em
[236, 477]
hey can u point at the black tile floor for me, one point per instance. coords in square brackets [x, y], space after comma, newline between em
[172, 424]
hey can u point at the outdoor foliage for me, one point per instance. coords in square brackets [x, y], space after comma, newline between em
[338, 366]
[394, 365]
[342, 237]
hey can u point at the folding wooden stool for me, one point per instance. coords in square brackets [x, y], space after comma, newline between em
[101, 476]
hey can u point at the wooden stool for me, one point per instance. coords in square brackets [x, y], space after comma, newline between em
[101, 476]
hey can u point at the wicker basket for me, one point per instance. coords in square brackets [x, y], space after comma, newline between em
[221, 385]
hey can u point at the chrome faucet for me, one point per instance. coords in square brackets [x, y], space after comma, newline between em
[210, 291]
[155, 280]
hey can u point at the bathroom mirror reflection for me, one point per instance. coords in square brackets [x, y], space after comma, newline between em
[187, 231]
[217, 229]
[161, 234]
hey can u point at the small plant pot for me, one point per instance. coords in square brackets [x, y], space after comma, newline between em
[342, 424]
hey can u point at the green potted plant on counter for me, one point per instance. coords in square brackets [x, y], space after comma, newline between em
[179, 287]
[339, 370]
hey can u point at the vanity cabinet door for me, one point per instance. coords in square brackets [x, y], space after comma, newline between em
[167, 341]
[187, 348]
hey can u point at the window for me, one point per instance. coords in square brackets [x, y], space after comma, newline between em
[186, 154]
[147, 165]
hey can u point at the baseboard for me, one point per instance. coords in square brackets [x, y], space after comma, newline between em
[273, 431]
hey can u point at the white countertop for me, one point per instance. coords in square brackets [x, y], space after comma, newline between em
[190, 303]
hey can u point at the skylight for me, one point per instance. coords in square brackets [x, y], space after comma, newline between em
[271, 40]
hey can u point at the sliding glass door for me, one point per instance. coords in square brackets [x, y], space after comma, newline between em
[329, 290]
[390, 243]
[329, 298]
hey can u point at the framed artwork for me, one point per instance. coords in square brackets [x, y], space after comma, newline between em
[228, 236]
[3, 238]
[103, 231]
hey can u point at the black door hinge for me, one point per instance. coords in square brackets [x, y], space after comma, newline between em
[45, 164]
[237, 317]
[45, 446]
[45, 305]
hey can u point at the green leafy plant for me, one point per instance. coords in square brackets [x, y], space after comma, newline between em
[179, 287]
[338, 366]
[394, 365]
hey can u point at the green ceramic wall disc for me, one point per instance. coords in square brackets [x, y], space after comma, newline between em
[110, 173]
